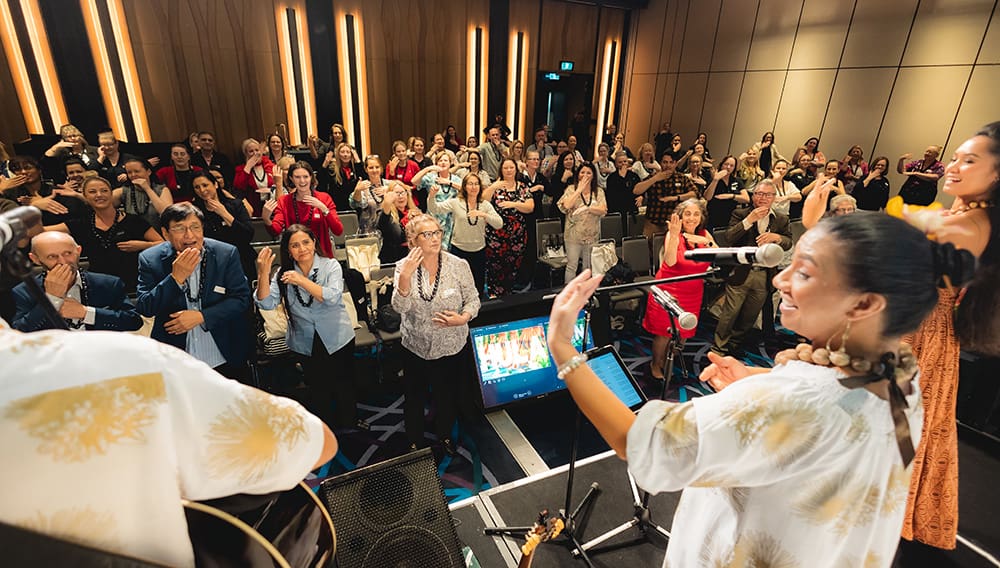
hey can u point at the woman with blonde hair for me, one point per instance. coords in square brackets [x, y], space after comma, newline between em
[253, 178]
[394, 214]
[646, 165]
[369, 194]
[343, 174]
[748, 169]
[584, 204]
[437, 182]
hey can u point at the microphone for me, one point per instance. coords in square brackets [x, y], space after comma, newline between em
[768, 255]
[19, 225]
[685, 320]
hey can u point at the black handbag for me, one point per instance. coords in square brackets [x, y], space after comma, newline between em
[387, 319]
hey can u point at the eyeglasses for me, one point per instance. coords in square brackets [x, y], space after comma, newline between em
[764, 194]
[843, 210]
[431, 234]
[181, 229]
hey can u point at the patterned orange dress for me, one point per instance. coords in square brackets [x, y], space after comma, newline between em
[932, 508]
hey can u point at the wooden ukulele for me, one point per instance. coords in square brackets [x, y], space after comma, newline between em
[545, 528]
[290, 529]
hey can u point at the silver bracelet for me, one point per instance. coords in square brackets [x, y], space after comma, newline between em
[569, 366]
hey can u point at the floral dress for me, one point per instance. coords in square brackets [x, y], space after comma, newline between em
[505, 247]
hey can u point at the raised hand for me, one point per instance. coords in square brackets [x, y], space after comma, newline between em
[267, 210]
[758, 214]
[265, 259]
[674, 225]
[410, 263]
[567, 305]
[12, 181]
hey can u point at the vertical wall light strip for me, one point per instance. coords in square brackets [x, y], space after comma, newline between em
[305, 71]
[353, 80]
[98, 47]
[476, 97]
[516, 88]
[524, 128]
[602, 105]
[43, 61]
[22, 84]
[287, 75]
[361, 70]
[126, 57]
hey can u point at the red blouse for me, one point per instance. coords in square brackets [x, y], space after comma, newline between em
[290, 211]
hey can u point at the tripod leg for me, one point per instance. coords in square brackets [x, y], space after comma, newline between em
[610, 534]
[504, 531]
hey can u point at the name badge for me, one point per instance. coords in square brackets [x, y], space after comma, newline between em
[316, 215]
[677, 184]
[219, 290]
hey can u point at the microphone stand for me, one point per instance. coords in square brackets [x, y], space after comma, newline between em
[641, 515]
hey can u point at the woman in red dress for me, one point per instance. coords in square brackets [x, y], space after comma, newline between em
[685, 232]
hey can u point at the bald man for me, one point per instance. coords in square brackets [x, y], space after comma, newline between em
[86, 300]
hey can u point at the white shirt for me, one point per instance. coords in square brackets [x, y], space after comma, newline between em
[787, 469]
[199, 341]
[105, 432]
[74, 293]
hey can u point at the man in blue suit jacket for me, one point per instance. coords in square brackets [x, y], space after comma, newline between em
[86, 299]
[196, 290]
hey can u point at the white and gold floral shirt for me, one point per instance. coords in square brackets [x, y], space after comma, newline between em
[104, 433]
[787, 469]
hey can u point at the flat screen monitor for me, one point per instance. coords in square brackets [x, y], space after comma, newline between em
[513, 361]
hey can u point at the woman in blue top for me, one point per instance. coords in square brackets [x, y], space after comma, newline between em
[439, 181]
[311, 287]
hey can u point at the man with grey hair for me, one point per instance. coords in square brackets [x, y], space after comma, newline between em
[87, 300]
[746, 287]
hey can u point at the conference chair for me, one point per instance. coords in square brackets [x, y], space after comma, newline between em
[544, 228]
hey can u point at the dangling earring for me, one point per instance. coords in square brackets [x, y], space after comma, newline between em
[840, 357]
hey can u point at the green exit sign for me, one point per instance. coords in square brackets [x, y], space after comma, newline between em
[565, 65]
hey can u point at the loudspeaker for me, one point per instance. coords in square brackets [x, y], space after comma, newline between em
[392, 515]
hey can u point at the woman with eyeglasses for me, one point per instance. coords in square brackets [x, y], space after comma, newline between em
[111, 239]
[226, 219]
[310, 286]
[396, 210]
[303, 205]
[435, 294]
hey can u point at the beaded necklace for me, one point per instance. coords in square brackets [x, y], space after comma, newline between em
[105, 238]
[295, 208]
[371, 191]
[420, 281]
[467, 218]
[298, 296]
[201, 281]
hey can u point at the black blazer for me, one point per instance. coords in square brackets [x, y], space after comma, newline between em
[225, 305]
[105, 293]
[737, 236]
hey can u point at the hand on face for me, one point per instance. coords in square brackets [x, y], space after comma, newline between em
[184, 265]
[59, 279]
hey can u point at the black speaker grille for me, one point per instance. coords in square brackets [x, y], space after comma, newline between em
[392, 515]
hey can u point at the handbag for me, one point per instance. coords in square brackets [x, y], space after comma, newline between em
[387, 318]
[363, 257]
[602, 257]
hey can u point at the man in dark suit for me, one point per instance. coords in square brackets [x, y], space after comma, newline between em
[746, 288]
[86, 299]
[196, 290]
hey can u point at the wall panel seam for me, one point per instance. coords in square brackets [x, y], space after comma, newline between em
[711, 60]
[895, 77]
[788, 64]
[680, 57]
[746, 63]
[972, 71]
[833, 87]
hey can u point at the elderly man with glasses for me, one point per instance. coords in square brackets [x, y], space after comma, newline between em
[746, 288]
[196, 290]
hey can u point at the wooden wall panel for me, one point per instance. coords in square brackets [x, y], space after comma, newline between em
[758, 108]
[12, 125]
[653, 27]
[525, 15]
[777, 21]
[803, 104]
[417, 76]
[207, 65]
[913, 122]
[640, 118]
[719, 113]
[822, 30]
[855, 112]
[979, 106]
[671, 45]
[947, 32]
[686, 112]
[666, 86]
[567, 33]
[878, 32]
[991, 45]
[732, 41]
[699, 35]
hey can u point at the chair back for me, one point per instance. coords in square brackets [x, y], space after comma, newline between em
[544, 228]
[611, 227]
[656, 245]
[260, 232]
[351, 226]
[635, 253]
[636, 221]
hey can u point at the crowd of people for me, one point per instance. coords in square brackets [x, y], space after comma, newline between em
[457, 220]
